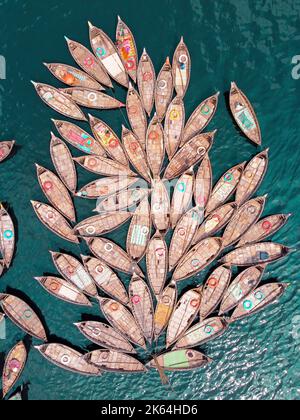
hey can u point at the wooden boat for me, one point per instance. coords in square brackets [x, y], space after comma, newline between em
[13, 367]
[74, 272]
[160, 206]
[157, 263]
[127, 48]
[2, 267]
[100, 165]
[182, 197]
[6, 148]
[68, 359]
[202, 333]
[174, 125]
[166, 302]
[79, 138]
[63, 290]
[183, 235]
[215, 222]
[114, 256]
[121, 319]
[258, 300]
[63, 163]
[142, 306]
[139, 231]
[105, 336]
[146, 79]
[105, 187]
[21, 314]
[88, 62]
[244, 114]
[123, 200]
[106, 279]
[135, 153]
[180, 360]
[264, 228]
[203, 183]
[136, 114]
[164, 89]
[91, 98]
[245, 217]
[184, 315]
[198, 258]
[214, 290]
[155, 147]
[7, 238]
[101, 224]
[58, 101]
[113, 361]
[225, 187]
[108, 140]
[72, 76]
[56, 192]
[260, 253]
[107, 53]
[181, 68]
[200, 118]
[241, 287]
[190, 154]
[54, 221]
[252, 177]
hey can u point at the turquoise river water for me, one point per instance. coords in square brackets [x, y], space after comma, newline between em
[252, 42]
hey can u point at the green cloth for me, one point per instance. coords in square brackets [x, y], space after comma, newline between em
[176, 359]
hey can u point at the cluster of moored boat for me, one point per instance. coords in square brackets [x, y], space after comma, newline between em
[7, 231]
[7, 249]
[204, 221]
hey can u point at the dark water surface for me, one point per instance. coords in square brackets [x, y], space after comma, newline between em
[252, 42]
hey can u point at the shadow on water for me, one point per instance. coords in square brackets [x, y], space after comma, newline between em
[28, 343]
[59, 340]
[69, 253]
[25, 391]
[48, 274]
[92, 347]
[2, 360]
[90, 317]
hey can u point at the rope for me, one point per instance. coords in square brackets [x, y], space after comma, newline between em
[163, 376]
